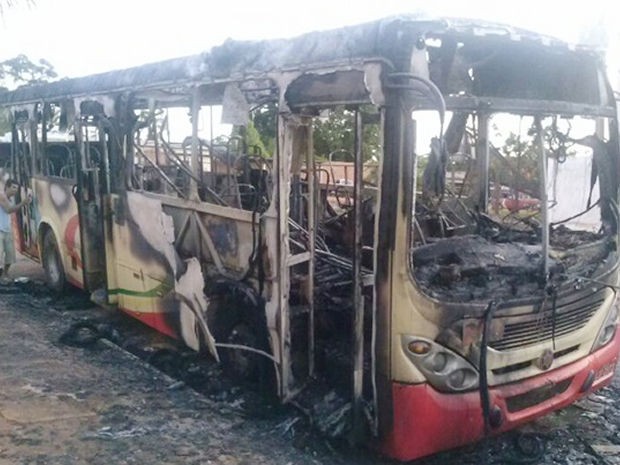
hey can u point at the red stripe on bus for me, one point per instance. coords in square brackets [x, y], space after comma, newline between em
[154, 320]
[71, 232]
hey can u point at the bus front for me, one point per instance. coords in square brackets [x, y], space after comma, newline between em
[499, 211]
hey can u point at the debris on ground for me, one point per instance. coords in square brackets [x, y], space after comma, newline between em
[583, 434]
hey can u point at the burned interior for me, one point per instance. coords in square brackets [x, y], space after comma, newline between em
[202, 162]
[520, 193]
[308, 210]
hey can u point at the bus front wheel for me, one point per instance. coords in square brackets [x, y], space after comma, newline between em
[52, 263]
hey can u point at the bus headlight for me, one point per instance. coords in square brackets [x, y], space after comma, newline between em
[608, 330]
[444, 369]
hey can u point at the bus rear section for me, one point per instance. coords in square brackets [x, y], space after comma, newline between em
[409, 228]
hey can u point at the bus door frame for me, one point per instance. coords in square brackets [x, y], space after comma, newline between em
[92, 175]
[24, 148]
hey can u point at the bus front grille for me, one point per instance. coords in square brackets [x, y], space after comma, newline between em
[569, 315]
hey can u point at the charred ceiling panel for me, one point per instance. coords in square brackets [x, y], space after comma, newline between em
[511, 67]
[390, 39]
[330, 88]
[169, 97]
[169, 71]
[514, 70]
[230, 61]
[316, 47]
[494, 61]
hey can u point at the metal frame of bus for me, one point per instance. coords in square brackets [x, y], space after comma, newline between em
[180, 257]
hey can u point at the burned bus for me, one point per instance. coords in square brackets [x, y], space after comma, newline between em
[443, 259]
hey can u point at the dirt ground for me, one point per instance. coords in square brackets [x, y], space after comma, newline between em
[101, 404]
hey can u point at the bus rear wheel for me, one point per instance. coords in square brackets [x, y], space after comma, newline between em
[52, 263]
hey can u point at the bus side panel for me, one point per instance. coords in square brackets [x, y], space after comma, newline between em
[20, 238]
[55, 206]
[152, 283]
[161, 247]
[223, 238]
[131, 260]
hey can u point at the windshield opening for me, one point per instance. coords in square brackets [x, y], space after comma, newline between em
[506, 204]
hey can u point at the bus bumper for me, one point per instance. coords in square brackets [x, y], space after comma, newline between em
[426, 421]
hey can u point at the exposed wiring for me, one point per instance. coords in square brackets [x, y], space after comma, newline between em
[529, 447]
[575, 216]
[483, 382]
[554, 298]
[578, 280]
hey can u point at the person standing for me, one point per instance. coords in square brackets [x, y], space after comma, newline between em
[7, 207]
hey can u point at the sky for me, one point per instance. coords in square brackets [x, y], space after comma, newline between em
[80, 37]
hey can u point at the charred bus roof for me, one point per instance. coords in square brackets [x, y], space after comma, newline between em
[474, 64]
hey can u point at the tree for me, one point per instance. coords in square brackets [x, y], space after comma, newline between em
[264, 120]
[332, 133]
[516, 163]
[20, 71]
[336, 133]
[252, 140]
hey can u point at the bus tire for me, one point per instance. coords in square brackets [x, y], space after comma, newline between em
[52, 264]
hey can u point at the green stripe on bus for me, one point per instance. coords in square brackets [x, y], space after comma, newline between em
[155, 292]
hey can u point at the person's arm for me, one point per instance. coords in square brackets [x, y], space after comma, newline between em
[7, 207]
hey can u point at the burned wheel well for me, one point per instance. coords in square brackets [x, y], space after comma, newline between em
[44, 229]
[231, 301]
[236, 318]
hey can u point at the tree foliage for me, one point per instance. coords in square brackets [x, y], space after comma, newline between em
[336, 132]
[518, 163]
[264, 120]
[518, 166]
[252, 140]
[21, 71]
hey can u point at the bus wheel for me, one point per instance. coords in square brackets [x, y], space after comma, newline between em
[52, 263]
